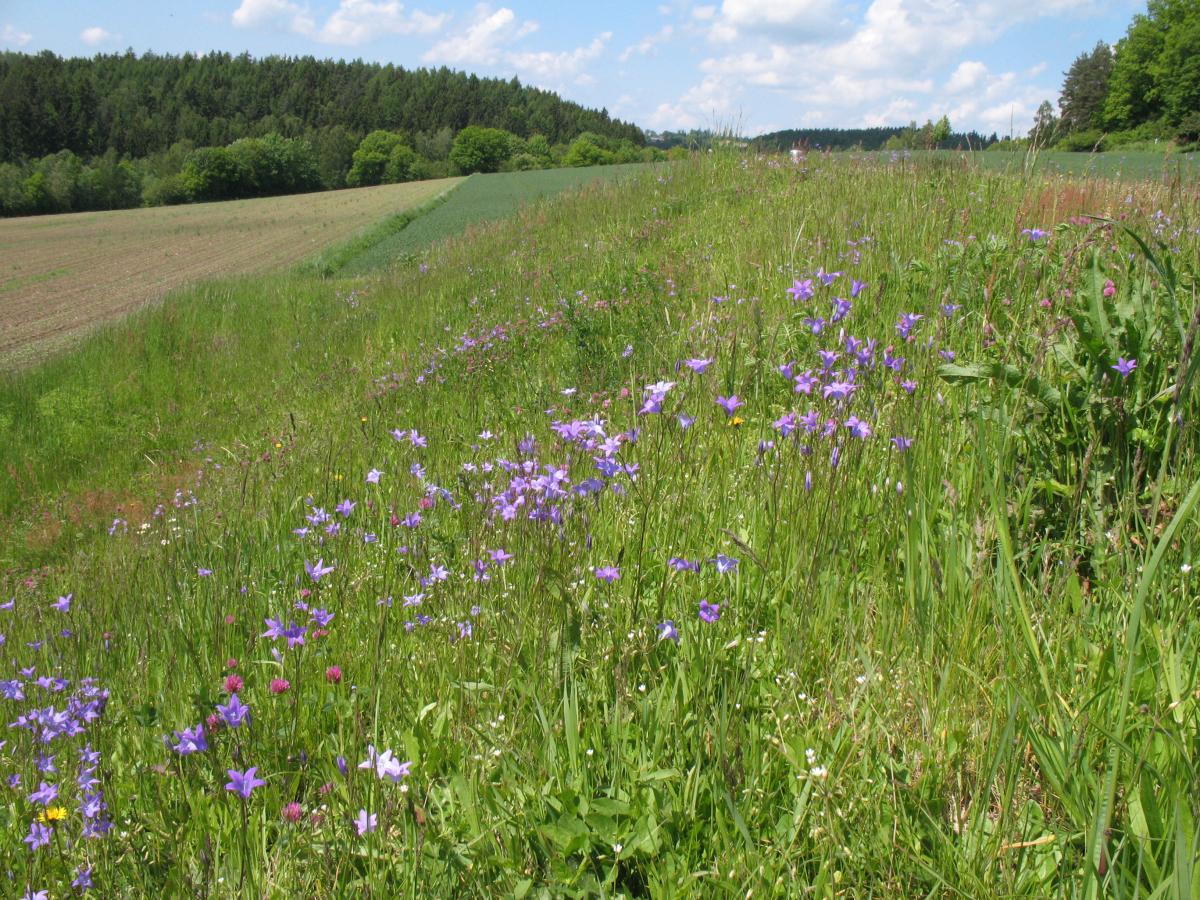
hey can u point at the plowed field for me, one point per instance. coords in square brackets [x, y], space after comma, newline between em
[61, 275]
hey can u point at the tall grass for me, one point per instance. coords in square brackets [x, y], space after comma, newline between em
[928, 672]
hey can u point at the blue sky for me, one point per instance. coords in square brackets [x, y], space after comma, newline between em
[758, 65]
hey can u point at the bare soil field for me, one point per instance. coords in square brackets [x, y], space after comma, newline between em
[64, 274]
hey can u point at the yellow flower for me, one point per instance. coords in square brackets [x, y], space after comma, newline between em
[52, 815]
[278, 445]
[736, 421]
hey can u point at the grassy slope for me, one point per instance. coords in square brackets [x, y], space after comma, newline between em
[483, 198]
[962, 715]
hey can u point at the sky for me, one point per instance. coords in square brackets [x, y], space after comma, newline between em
[751, 65]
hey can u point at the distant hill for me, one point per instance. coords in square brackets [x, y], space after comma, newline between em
[862, 138]
[140, 105]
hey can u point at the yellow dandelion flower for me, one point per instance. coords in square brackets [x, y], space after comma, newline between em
[736, 421]
[52, 815]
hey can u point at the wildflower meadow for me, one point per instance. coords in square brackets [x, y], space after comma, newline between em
[746, 527]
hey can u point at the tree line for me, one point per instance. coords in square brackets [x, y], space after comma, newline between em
[273, 164]
[1143, 90]
[140, 105]
[122, 130]
[931, 135]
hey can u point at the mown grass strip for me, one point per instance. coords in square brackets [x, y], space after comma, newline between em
[332, 261]
[481, 199]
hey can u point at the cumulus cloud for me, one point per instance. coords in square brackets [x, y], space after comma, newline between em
[803, 21]
[647, 44]
[95, 36]
[353, 22]
[485, 39]
[968, 74]
[892, 61]
[280, 14]
[14, 37]
[551, 66]
[358, 21]
[489, 38]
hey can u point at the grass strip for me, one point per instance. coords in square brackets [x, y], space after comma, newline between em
[334, 260]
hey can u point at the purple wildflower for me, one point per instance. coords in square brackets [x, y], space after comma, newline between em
[729, 404]
[39, 836]
[607, 574]
[244, 783]
[234, 713]
[801, 290]
[1124, 367]
[366, 822]
[45, 794]
[906, 324]
[191, 740]
[724, 563]
[805, 382]
[667, 631]
[318, 571]
[858, 427]
[709, 612]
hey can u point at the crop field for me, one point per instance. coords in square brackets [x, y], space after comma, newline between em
[64, 274]
[1115, 165]
[482, 199]
[1131, 166]
[735, 529]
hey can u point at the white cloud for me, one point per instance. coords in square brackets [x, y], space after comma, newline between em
[671, 117]
[14, 37]
[483, 41]
[804, 21]
[353, 22]
[886, 62]
[95, 36]
[647, 44]
[359, 21]
[552, 66]
[968, 74]
[280, 14]
[489, 37]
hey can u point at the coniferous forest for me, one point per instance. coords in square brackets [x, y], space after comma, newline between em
[120, 130]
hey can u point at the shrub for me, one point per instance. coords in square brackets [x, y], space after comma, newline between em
[1083, 142]
[370, 163]
[479, 149]
[212, 173]
[401, 165]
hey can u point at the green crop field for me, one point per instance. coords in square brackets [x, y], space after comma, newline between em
[480, 199]
[734, 529]
[1131, 166]
[1115, 165]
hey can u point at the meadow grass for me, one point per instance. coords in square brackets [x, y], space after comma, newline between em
[1117, 165]
[571, 566]
[481, 199]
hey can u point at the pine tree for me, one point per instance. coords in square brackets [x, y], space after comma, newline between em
[1085, 88]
